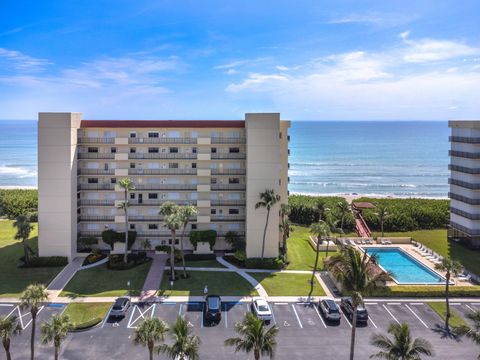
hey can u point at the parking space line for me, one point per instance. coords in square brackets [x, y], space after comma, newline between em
[11, 312]
[371, 303]
[180, 310]
[417, 304]
[370, 319]
[273, 316]
[281, 303]
[226, 316]
[106, 317]
[9, 305]
[394, 318]
[320, 316]
[298, 319]
[394, 303]
[142, 315]
[418, 317]
[455, 304]
[345, 317]
[201, 317]
[470, 308]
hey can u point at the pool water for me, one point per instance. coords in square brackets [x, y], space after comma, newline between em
[404, 268]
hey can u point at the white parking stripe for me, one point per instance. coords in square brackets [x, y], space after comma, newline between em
[455, 304]
[273, 316]
[201, 317]
[298, 319]
[320, 316]
[371, 303]
[418, 317]
[417, 304]
[281, 303]
[370, 319]
[394, 318]
[11, 312]
[9, 305]
[345, 317]
[180, 310]
[393, 303]
[106, 317]
[225, 315]
[470, 308]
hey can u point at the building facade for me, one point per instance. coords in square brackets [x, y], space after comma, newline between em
[465, 183]
[220, 167]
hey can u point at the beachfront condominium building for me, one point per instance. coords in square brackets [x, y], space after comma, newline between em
[220, 167]
[465, 183]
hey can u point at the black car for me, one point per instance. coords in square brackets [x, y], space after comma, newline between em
[347, 306]
[329, 310]
[120, 307]
[213, 312]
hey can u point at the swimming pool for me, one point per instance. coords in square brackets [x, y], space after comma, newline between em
[404, 268]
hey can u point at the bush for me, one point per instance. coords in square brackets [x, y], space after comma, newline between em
[87, 324]
[165, 248]
[209, 236]
[235, 241]
[18, 202]
[94, 257]
[110, 237]
[265, 263]
[240, 255]
[115, 262]
[193, 257]
[84, 244]
[233, 260]
[46, 261]
[427, 291]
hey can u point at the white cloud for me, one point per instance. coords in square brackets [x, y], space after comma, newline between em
[374, 18]
[231, 72]
[255, 81]
[11, 59]
[282, 68]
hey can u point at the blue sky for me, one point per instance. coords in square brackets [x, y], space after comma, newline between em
[308, 60]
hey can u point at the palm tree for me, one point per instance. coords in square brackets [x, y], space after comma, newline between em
[24, 227]
[127, 185]
[254, 336]
[172, 221]
[9, 326]
[401, 347]
[185, 213]
[285, 225]
[185, 346]
[344, 209]
[268, 198]
[56, 330]
[382, 215]
[149, 332]
[31, 299]
[320, 230]
[321, 209]
[473, 333]
[451, 267]
[356, 274]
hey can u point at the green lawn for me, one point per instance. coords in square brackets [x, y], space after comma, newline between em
[301, 255]
[440, 308]
[82, 314]
[438, 242]
[284, 284]
[100, 281]
[14, 279]
[219, 283]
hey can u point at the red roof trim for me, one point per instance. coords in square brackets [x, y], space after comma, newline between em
[162, 124]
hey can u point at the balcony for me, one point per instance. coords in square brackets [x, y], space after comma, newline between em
[228, 187]
[464, 139]
[179, 156]
[228, 140]
[96, 155]
[90, 233]
[96, 218]
[157, 233]
[240, 233]
[158, 202]
[96, 202]
[153, 218]
[463, 169]
[95, 172]
[96, 186]
[464, 229]
[162, 140]
[465, 214]
[233, 218]
[463, 199]
[185, 187]
[162, 171]
[229, 171]
[228, 156]
[88, 140]
[227, 202]
[464, 154]
[464, 184]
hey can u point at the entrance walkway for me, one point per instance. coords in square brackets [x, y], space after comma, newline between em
[154, 276]
[62, 279]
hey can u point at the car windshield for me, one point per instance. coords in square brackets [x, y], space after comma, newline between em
[118, 304]
[262, 307]
[213, 303]
[361, 311]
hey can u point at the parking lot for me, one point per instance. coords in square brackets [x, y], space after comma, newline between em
[303, 333]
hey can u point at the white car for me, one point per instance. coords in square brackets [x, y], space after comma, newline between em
[262, 309]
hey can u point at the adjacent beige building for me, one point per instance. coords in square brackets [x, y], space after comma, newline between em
[218, 166]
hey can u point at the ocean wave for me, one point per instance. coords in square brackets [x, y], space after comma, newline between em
[16, 171]
[417, 195]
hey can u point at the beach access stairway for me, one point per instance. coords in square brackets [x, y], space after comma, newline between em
[361, 226]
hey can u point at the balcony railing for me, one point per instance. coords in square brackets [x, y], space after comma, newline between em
[464, 184]
[227, 202]
[228, 187]
[96, 202]
[158, 202]
[240, 233]
[464, 169]
[464, 229]
[155, 233]
[96, 186]
[90, 233]
[162, 171]
[463, 199]
[96, 172]
[179, 156]
[235, 218]
[91, 140]
[465, 139]
[96, 155]
[93, 218]
[153, 218]
[228, 171]
[228, 140]
[228, 156]
[162, 140]
[191, 187]
[464, 154]
[465, 214]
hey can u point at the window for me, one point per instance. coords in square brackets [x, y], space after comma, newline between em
[233, 211]
[233, 180]
[174, 134]
[173, 149]
[113, 180]
[194, 150]
[173, 165]
[152, 195]
[170, 241]
[132, 226]
[93, 150]
[194, 165]
[153, 134]
[213, 180]
[194, 134]
[132, 165]
[194, 226]
[234, 150]
[133, 135]
[93, 180]
[213, 150]
[280, 135]
[133, 150]
[213, 211]
[152, 226]
[153, 149]
[113, 150]
[132, 196]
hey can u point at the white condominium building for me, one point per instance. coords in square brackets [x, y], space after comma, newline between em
[221, 167]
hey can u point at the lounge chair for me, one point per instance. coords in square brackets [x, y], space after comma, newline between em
[465, 278]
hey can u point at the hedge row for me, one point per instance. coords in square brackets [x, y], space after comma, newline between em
[209, 236]
[18, 202]
[46, 261]
[110, 237]
[87, 324]
[427, 291]
[409, 214]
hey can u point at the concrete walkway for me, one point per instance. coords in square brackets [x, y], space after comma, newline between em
[61, 280]
[154, 276]
[260, 289]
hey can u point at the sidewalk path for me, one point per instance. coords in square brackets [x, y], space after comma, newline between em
[261, 291]
[154, 276]
[62, 279]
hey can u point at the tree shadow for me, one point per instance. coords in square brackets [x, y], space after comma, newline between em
[445, 334]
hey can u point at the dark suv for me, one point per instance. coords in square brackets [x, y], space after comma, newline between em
[213, 312]
[347, 307]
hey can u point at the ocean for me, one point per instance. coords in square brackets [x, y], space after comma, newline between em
[407, 159]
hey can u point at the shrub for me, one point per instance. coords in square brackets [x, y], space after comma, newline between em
[94, 257]
[240, 255]
[165, 248]
[84, 244]
[265, 263]
[427, 291]
[87, 324]
[193, 257]
[110, 237]
[115, 261]
[233, 260]
[235, 241]
[18, 202]
[209, 236]
[46, 261]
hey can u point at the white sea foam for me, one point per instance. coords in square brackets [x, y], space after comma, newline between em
[16, 171]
